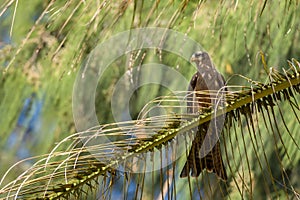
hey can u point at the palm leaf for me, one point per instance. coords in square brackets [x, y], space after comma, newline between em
[105, 155]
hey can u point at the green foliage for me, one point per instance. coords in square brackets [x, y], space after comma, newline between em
[51, 39]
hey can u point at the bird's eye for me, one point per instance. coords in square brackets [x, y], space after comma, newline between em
[198, 54]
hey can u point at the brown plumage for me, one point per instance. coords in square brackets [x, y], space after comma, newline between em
[206, 78]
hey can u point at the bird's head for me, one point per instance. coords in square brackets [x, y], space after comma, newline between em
[201, 57]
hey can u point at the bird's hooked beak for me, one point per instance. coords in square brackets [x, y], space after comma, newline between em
[193, 58]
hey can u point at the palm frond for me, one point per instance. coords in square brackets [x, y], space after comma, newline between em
[106, 154]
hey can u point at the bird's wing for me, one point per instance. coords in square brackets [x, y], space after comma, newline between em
[190, 94]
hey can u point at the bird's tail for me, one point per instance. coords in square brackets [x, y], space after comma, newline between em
[212, 162]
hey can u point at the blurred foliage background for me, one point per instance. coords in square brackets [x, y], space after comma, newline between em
[44, 43]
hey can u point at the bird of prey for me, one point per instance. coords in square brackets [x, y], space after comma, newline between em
[208, 79]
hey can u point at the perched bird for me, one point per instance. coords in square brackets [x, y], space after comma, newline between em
[200, 96]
